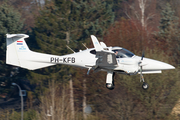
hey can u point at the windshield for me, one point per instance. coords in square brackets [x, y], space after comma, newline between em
[123, 53]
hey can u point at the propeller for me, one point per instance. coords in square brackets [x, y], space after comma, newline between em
[140, 65]
[141, 62]
[142, 55]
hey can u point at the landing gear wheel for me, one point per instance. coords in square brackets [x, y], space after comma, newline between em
[145, 86]
[110, 86]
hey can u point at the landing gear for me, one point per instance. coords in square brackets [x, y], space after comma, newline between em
[145, 86]
[109, 86]
[110, 80]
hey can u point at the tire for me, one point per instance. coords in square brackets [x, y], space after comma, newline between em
[145, 86]
[109, 86]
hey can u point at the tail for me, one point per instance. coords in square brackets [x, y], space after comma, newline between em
[18, 53]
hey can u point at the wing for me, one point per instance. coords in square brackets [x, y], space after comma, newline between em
[96, 44]
[106, 59]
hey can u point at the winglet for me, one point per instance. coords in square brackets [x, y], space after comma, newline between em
[96, 44]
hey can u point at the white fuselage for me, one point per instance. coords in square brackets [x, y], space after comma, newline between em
[129, 65]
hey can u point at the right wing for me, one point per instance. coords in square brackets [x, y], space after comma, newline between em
[96, 44]
[106, 59]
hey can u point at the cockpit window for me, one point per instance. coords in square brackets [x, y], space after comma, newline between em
[123, 53]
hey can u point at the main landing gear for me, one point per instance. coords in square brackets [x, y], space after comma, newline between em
[110, 80]
[110, 86]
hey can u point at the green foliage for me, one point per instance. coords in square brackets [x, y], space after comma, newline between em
[168, 23]
[169, 33]
[91, 17]
[10, 22]
[117, 6]
[64, 23]
[14, 115]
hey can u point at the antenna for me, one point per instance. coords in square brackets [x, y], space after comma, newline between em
[84, 45]
[70, 49]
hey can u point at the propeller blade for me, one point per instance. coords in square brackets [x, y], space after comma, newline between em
[142, 55]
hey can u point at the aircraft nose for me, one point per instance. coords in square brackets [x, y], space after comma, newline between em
[165, 66]
[157, 65]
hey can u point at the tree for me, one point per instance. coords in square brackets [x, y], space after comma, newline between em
[168, 23]
[155, 103]
[169, 33]
[124, 33]
[10, 22]
[85, 18]
[62, 23]
[144, 15]
[28, 10]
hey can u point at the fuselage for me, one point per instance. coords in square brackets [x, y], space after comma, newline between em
[127, 62]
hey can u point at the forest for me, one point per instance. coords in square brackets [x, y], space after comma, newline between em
[67, 93]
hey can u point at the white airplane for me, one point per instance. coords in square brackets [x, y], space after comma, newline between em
[100, 58]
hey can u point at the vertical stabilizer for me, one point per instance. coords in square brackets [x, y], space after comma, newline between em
[15, 43]
[18, 53]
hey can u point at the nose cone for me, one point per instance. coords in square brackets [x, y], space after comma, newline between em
[156, 65]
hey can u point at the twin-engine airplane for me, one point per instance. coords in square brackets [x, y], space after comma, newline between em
[99, 58]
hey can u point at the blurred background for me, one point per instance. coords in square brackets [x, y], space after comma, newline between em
[68, 93]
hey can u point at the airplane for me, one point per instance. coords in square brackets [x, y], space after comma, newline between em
[100, 58]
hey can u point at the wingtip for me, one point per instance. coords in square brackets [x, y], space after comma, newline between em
[96, 43]
[93, 36]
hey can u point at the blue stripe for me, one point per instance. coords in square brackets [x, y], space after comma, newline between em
[19, 43]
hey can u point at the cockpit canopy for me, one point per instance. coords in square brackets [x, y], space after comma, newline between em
[122, 53]
[119, 52]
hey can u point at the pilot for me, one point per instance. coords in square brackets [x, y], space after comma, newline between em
[116, 53]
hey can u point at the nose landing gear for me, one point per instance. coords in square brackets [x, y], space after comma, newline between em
[145, 86]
